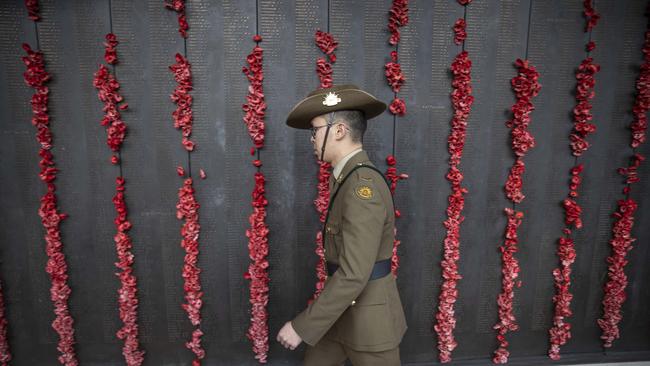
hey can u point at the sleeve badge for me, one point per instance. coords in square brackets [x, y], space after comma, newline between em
[364, 192]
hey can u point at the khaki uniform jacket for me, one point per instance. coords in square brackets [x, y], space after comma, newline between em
[364, 315]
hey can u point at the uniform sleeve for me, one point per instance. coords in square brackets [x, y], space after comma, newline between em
[363, 216]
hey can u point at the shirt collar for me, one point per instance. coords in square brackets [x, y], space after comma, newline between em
[338, 168]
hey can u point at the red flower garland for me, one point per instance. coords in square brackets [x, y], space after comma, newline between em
[560, 332]
[622, 239]
[108, 93]
[108, 87]
[462, 101]
[460, 34]
[582, 111]
[397, 18]
[5, 355]
[393, 178]
[128, 300]
[394, 74]
[615, 294]
[510, 272]
[258, 246]
[255, 107]
[590, 14]
[56, 267]
[110, 46]
[187, 208]
[326, 43]
[395, 79]
[321, 203]
[179, 7]
[526, 86]
[183, 114]
[32, 9]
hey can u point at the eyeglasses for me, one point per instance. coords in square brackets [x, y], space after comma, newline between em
[314, 130]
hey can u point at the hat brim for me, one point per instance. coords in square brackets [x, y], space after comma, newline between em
[351, 99]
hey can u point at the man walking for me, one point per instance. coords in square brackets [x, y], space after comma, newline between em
[358, 315]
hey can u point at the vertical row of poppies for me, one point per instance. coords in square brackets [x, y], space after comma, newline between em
[57, 266]
[560, 332]
[622, 239]
[108, 93]
[326, 43]
[462, 100]
[397, 18]
[257, 234]
[187, 207]
[525, 86]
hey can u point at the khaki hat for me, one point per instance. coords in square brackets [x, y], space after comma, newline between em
[336, 98]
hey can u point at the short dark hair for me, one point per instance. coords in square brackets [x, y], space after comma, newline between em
[356, 122]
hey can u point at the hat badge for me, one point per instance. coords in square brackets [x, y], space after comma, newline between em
[331, 99]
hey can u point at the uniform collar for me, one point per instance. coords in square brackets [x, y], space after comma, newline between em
[339, 167]
[354, 159]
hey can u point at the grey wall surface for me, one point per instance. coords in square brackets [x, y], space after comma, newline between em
[71, 35]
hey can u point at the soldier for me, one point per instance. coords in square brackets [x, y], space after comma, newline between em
[358, 315]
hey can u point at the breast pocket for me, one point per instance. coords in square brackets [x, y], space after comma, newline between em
[333, 240]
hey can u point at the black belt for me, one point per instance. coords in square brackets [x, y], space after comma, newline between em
[379, 270]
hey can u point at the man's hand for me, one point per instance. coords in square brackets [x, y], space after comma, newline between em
[288, 337]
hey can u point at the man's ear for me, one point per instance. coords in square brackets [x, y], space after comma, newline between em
[340, 131]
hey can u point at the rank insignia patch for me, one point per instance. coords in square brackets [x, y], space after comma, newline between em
[364, 192]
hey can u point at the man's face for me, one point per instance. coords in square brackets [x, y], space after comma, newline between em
[319, 127]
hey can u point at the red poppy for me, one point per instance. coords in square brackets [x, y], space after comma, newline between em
[398, 107]
[394, 75]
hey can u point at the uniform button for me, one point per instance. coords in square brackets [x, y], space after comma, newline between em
[329, 230]
[353, 302]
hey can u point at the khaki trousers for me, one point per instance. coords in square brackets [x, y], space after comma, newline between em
[330, 353]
